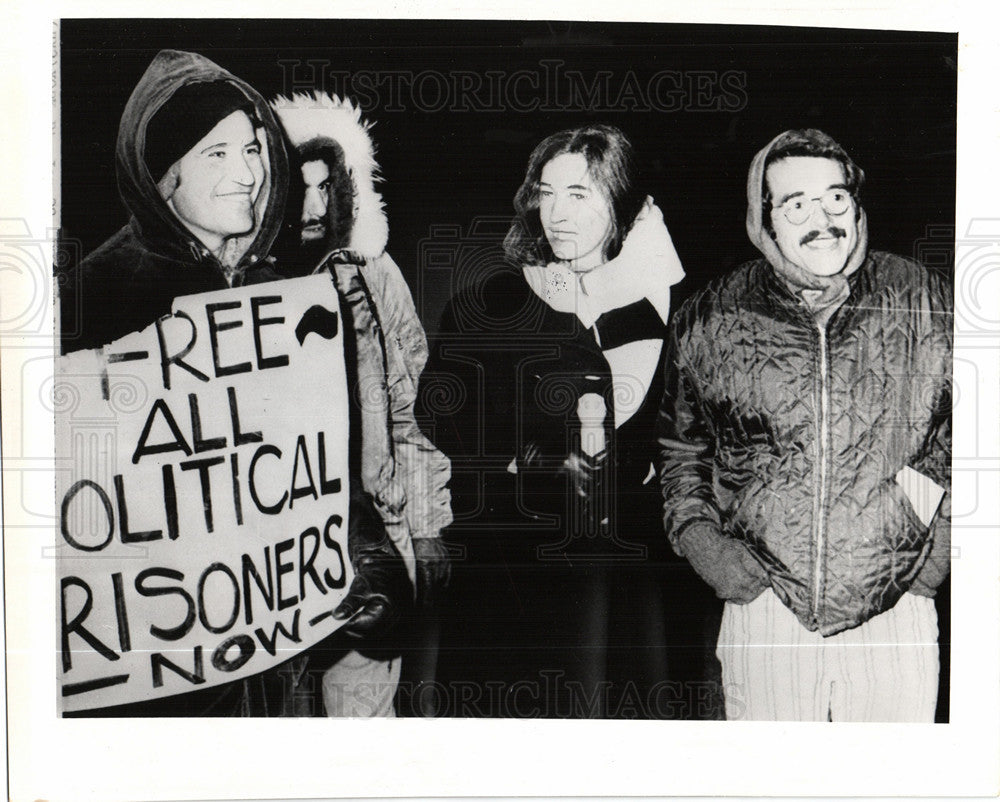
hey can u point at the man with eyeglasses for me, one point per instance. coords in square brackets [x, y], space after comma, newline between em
[805, 437]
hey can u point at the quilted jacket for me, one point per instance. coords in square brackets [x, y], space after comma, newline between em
[785, 421]
[786, 435]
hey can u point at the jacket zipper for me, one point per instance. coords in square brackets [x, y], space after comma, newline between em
[823, 449]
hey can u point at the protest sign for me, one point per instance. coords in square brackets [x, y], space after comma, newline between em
[202, 495]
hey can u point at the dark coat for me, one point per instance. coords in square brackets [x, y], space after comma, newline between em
[133, 278]
[543, 593]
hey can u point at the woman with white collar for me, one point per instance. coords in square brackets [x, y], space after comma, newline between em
[542, 389]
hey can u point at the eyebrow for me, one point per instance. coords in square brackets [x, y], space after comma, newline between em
[790, 195]
[571, 186]
[254, 141]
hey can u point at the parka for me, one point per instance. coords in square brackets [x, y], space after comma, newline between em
[400, 468]
[133, 278]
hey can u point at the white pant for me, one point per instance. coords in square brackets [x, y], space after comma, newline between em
[361, 687]
[774, 669]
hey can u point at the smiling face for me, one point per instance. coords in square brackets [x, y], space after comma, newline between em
[824, 240]
[218, 181]
[575, 215]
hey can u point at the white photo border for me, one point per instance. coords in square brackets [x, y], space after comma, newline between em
[56, 759]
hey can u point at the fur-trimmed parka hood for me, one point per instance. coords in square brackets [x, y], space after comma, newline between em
[319, 119]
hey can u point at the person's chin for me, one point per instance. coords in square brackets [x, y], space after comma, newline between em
[825, 267]
[240, 231]
[564, 251]
[310, 253]
[239, 224]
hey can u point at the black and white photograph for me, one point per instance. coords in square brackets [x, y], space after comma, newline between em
[602, 462]
[509, 371]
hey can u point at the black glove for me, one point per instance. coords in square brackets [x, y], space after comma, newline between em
[584, 471]
[381, 590]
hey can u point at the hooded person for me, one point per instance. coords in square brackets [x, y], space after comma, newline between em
[336, 222]
[805, 439]
[202, 168]
[202, 218]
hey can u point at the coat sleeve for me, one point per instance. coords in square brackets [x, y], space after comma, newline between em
[937, 566]
[398, 314]
[934, 463]
[691, 516]
[423, 470]
[934, 457]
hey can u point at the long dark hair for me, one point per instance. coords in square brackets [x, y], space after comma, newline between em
[611, 164]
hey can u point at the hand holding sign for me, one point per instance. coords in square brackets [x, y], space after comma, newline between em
[381, 588]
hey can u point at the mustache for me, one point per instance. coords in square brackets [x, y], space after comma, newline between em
[833, 231]
[313, 221]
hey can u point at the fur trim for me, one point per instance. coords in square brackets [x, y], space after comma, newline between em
[323, 116]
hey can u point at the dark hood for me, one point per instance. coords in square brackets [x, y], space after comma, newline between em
[152, 220]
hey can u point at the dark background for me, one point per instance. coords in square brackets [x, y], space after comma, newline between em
[888, 97]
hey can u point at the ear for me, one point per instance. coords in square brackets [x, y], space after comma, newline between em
[167, 185]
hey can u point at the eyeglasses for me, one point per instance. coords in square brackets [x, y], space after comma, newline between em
[799, 209]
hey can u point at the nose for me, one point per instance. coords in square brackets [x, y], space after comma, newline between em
[315, 204]
[818, 215]
[557, 210]
[242, 172]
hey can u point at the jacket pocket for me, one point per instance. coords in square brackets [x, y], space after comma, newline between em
[922, 492]
[905, 506]
[903, 533]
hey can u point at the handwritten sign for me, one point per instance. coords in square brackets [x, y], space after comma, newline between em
[202, 494]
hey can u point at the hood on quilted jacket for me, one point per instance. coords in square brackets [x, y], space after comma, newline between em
[818, 291]
[153, 222]
[318, 121]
